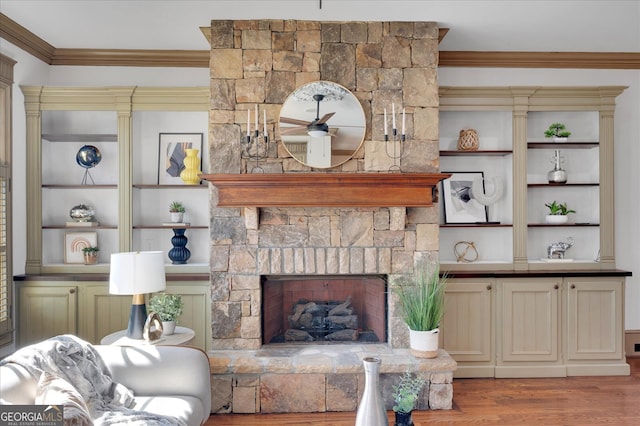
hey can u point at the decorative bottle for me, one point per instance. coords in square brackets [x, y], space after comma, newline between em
[371, 410]
[557, 175]
[190, 173]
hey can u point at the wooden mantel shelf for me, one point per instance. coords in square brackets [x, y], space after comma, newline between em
[326, 189]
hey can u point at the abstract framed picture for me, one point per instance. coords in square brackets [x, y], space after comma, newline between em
[459, 204]
[74, 242]
[171, 153]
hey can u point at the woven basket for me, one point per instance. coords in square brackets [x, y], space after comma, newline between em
[468, 140]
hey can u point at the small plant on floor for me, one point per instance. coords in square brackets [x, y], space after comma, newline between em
[406, 391]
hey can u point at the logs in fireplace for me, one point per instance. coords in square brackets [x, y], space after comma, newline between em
[313, 321]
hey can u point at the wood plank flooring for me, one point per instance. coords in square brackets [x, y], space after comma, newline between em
[547, 402]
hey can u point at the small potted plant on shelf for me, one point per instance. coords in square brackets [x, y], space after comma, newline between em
[422, 306]
[169, 307]
[90, 255]
[558, 213]
[405, 396]
[557, 132]
[176, 209]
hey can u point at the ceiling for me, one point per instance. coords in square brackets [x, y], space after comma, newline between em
[501, 25]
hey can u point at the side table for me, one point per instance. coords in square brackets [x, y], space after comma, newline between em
[182, 336]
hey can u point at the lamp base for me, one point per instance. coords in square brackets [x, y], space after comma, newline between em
[137, 317]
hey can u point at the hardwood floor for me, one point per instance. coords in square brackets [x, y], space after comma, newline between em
[549, 402]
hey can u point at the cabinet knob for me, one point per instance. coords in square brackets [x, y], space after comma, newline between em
[573, 286]
[556, 286]
[72, 290]
[489, 287]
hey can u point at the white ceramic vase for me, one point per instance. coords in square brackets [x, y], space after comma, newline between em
[168, 327]
[176, 217]
[424, 344]
[556, 219]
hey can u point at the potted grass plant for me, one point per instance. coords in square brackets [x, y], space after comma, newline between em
[176, 210]
[422, 305]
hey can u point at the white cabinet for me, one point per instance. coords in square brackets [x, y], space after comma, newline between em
[131, 203]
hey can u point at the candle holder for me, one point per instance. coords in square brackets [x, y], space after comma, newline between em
[396, 150]
[256, 148]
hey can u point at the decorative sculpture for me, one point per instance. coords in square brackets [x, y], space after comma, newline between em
[557, 250]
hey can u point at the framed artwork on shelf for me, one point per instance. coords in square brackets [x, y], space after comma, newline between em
[459, 204]
[171, 153]
[74, 242]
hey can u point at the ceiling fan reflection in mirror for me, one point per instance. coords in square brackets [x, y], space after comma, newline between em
[316, 128]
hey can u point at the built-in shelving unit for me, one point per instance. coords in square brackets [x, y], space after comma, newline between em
[510, 122]
[131, 206]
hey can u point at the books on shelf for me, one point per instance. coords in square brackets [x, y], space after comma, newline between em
[176, 224]
[75, 224]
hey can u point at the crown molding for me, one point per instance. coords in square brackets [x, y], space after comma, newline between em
[593, 60]
[24, 39]
[34, 45]
[131, 58]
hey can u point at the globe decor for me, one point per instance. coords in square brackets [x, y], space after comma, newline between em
[88, 157]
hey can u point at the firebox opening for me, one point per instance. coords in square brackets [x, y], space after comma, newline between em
[324, 309]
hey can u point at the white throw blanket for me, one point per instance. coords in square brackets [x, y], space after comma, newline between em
[77, 362]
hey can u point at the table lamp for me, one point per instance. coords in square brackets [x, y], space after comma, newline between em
[137, 273]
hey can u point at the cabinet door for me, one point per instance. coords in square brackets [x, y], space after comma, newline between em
[197, 313]
[466, 331]
[102, 313]
[529, 317]
[45, 312]
[594, 319]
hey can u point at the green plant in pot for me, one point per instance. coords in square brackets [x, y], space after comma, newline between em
[176, 209]
[169, 307]
[90, 255]
[405, 396]
[557, 132]
[422, 304]
[558, 212]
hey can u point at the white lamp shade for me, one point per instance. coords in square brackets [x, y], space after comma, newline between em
[137, 272]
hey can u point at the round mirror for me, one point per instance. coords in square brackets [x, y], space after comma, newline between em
[322, 124]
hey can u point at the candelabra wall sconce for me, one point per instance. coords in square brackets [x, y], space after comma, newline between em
[255, 144]
[394, 146]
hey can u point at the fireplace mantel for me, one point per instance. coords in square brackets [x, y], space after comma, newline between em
[326, 189]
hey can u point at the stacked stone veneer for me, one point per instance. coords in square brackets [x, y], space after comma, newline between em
[262, 62]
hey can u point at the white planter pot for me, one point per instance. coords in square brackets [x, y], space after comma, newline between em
[168, 327]
[176, 217]
[555, 219]
[424, 344]
[557, 139]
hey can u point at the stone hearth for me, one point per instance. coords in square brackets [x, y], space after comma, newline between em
[289, 378]
[262, 62]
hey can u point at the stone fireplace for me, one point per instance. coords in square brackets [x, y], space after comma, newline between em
[261, 62]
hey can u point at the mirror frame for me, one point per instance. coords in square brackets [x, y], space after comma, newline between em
[299, 109]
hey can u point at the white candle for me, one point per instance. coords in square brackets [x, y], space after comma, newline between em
[256, 117]
[385, 122]
[393, 116]
[403, 119]
[248, 122]
[264, 121]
